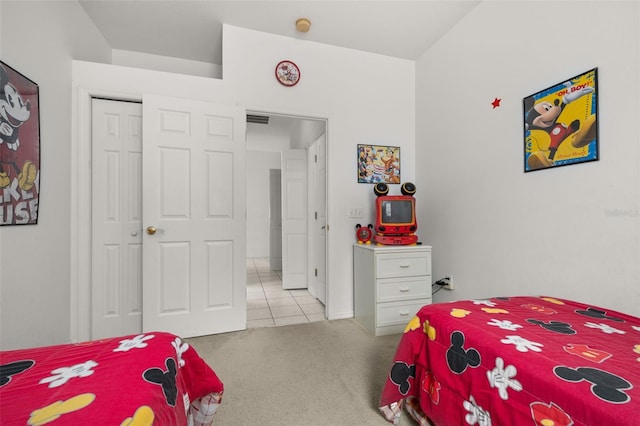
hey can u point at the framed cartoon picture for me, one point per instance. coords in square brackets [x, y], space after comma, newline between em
[19, 148]
[561, 123]
[378, 163]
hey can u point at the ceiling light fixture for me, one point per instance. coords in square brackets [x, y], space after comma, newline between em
[303, 25]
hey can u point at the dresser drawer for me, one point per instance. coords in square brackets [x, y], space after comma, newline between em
[402, 265]
[407, 288]
[396, 313]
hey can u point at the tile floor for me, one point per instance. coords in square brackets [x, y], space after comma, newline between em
[269, 305]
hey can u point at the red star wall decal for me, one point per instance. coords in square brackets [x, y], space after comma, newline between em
[496, 103]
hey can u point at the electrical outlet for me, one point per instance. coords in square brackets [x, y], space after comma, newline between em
[354, 212]
[449, 285]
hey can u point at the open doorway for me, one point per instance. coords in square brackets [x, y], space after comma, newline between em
[286, 219]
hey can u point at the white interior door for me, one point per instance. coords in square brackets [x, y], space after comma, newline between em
[321, 223]
[194, 267]
[116, 215]
[294, 218]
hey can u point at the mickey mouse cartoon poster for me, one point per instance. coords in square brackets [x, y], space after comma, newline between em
[560, 124]
[19, 148]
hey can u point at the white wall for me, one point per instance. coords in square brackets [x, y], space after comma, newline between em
[569, 232]
[353, 89]
[259, 163]
[264, 147]
[497, 230]
[39, 39]
[163, 63]
[363, 104]
[264, 150]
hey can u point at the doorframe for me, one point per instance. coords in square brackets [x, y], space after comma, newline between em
[327, 118]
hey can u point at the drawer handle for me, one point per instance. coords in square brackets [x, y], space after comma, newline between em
[404, 313]
[404, 290]
[405, 265]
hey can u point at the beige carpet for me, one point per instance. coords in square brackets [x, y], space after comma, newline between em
[320, 373]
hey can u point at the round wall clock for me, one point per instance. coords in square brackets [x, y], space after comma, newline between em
[364, 234]
[287, 73]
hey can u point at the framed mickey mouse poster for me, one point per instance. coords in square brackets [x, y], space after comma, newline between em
[560, 123]
[19, 148]
[378, 163]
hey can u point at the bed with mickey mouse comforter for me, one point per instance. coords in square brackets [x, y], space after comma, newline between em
[147, 379]
[516, 361]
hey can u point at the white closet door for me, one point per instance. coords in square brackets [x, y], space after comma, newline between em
[116, 209]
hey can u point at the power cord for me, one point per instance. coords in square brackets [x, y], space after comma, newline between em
[438, 284]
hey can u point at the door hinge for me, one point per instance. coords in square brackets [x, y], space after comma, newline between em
[316, 215]
[315, 158]
[316, 272]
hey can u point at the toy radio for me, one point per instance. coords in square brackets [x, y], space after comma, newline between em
[396, 222]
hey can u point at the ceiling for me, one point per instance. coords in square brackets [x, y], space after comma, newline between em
[192, 29]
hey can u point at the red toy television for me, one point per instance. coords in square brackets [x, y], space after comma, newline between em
[396, 221]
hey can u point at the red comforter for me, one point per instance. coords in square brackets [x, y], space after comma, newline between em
[517, 361]
[153, 378]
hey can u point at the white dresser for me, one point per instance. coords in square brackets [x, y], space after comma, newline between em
[391, 283]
